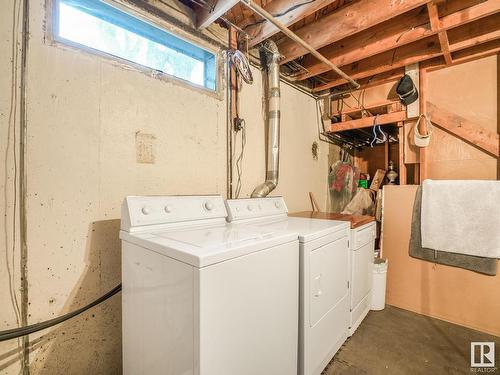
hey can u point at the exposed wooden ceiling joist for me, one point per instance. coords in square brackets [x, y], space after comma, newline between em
[475, 33]
[205, 17]
[442, 35]
[465, 55]
[407, 28]
[371, 40]
[345, 22]
[295, 11]
[420, 51]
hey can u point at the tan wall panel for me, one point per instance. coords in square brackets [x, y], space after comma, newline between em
[468, 90]
[452, 294]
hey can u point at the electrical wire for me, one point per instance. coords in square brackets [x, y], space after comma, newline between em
[12, 136]
[242, 65]
[239, 160]
[23, 331]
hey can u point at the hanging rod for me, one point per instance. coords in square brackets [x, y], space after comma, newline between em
[285, 30]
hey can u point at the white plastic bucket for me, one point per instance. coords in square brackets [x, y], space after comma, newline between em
[379, 284]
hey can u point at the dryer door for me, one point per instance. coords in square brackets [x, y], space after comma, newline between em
[328, 273]
[362, 275]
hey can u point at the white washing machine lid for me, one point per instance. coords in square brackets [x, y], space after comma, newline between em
[271, 212]
[308, 229]
[202, 246]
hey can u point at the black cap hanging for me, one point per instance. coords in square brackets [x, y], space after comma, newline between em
[406, 90]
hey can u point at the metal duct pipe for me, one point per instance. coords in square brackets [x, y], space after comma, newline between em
[271, 57]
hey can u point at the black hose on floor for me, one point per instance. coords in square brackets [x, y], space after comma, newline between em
[23, 331]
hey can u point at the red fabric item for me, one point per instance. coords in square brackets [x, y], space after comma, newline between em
[340, 177]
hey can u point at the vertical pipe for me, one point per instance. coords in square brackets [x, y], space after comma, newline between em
[273, 119]
[230, 113]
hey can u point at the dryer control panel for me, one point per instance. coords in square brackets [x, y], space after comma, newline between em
[252, 208]
[141, 211]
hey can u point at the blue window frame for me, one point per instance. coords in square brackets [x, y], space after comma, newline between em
[103, 27]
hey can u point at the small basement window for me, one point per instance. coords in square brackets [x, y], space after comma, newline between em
[103, 27]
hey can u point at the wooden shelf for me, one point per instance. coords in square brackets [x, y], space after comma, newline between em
[367, 122]
[386, 106]
[388, 111]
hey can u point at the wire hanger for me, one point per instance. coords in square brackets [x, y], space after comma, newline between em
[376, 127]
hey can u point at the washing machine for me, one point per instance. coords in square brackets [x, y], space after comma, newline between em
[204, 297]
[324, 275]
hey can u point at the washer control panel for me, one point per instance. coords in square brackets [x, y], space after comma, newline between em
[250, 208]
[139, 211]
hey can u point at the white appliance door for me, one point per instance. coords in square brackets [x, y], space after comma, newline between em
[328, 278]
[362, 265]
[248, 322]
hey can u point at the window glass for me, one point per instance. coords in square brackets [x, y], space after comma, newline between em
[100, 26]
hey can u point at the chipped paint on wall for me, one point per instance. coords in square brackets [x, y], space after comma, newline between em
[144, 148]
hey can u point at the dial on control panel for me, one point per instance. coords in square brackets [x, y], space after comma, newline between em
[208, 206]
[145, 210]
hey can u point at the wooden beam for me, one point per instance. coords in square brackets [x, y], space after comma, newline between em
[470, 14]
[412, 53]
[205, 17]
[422, 129]
[426, 49]
[396, 104]
[345, 22]
[401, 152]
[367, 122]
[377, 80]
[263, 29]
[464, 129]
[436, 26]
[475, 33]
[466, 55]
[407, 28]
[411, 26]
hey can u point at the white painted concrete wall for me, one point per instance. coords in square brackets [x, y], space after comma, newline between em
[83, 115]
[9, 257]
[299, 172]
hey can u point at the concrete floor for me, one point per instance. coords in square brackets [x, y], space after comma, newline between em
[396, 341]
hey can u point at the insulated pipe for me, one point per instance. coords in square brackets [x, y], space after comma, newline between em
[285, 30]
[271, 56]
